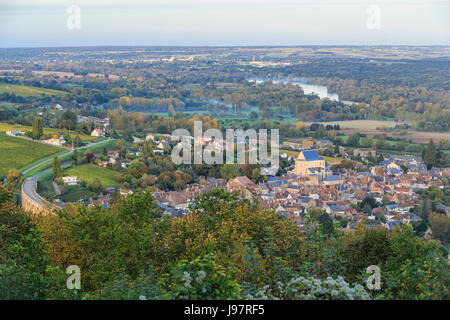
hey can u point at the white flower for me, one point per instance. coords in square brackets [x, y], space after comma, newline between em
[200, 276]
[186, 276]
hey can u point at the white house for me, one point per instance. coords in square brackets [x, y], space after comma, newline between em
[97, 132]
[71, 180]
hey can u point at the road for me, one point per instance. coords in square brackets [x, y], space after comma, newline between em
[30, 185]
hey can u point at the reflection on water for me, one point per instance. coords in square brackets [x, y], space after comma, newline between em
[308, 88]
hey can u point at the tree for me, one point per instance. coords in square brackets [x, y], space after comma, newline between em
[430, 155]
[56, 170]
[440, 226]
[147, 149]
[256, 175]
[77, 142]
[229, 171]
[353, 140]
[443, 144]
[88, 155]
[25, 271]
[253, 115]
[368, 201]
[68, 120]
[326, 223]
[119, 145]
[14, 179]
[96, 185]
[37, 129]
[170, 111]
[75, 157]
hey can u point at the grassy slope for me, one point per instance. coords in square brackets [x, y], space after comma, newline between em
[27, 91]
[88, 172]
[16, 153]
[110, 145]
[9, 127]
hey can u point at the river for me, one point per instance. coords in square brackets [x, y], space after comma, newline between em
[308, 88]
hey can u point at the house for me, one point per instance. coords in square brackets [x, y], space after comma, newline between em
[364, 153]
[97, 132]
[16, 133]
[332, 180]
[323, 144]
[125, 192]
[178, 200]
[307, 144]
[162, 145]
[55, 141]
[113, 154]
[239, 183]
[71, 180]
[103, 164]
[292, 145]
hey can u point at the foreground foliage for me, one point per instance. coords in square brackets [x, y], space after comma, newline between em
[227, 248]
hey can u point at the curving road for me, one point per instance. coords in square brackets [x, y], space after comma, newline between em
[30, 185]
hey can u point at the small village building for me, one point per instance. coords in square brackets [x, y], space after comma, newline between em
[309, 162]
[71, 180]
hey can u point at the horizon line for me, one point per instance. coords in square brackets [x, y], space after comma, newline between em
[229, 46]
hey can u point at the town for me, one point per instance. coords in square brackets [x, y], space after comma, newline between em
[234, 173]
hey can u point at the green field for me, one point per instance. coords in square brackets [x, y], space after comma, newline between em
[110, 145]
[10, 127]
[28, 91]
[77, 195]
[6, 105]
[16, 152]
[88, 172]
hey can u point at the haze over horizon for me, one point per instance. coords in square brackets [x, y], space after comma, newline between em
[44, 23]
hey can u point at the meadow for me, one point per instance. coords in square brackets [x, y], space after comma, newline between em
[361, 124]
[88, 172]
[109, 144]
[28, 91]
[8, 127]
[16, 153]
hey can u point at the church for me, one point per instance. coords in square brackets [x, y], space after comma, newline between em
[309, 162]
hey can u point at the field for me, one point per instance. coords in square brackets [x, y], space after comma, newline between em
[16, 153]
[28, 91]
[77, 195]
[88, 172]
[361, 124]
[9, 127]
[369, 127]
[6, 105]
[110, 145]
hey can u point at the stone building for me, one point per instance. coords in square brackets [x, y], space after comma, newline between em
[309, 162]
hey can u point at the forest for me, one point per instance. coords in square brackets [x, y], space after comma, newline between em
[228, 248]
[411, 90]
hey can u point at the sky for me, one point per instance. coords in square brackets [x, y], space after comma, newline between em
[52, 23]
